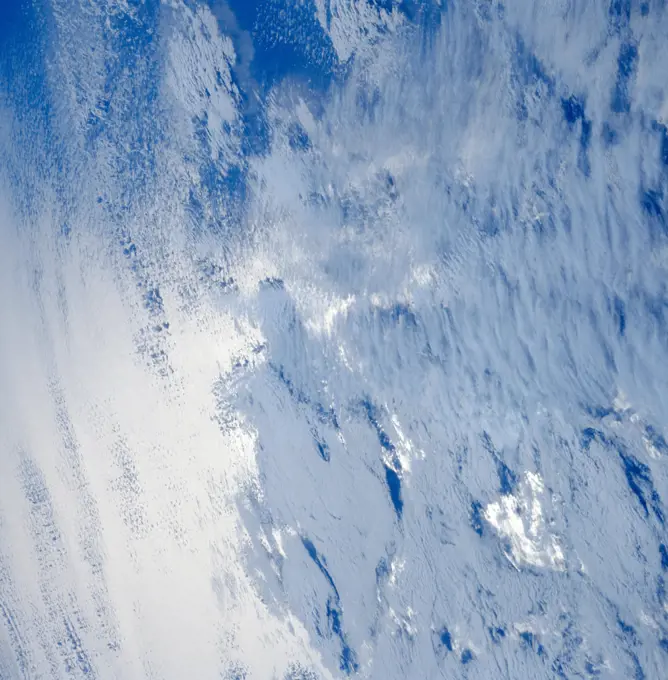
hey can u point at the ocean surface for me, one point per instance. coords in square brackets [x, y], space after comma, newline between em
[333, 339]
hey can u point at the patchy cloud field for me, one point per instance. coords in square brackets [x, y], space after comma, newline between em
[333, 339]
